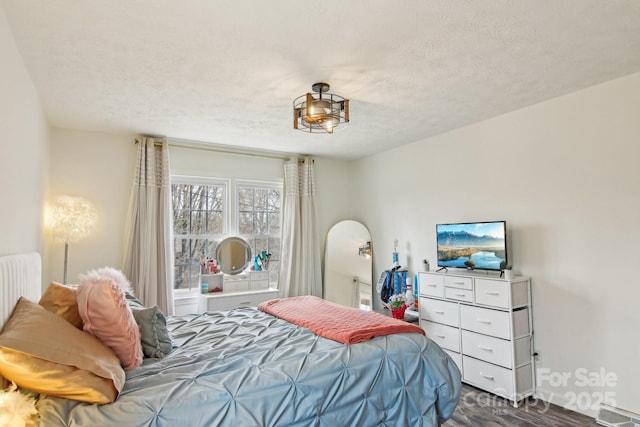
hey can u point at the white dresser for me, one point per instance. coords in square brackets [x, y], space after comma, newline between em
[484, 323]
[245, 289]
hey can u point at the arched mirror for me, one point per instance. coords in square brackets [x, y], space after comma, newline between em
[233, 255]
[347, 265]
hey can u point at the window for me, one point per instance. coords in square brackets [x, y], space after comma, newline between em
[202, 218]
[199, 224]
[259, 220]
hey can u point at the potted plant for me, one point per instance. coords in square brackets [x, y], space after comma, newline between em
[507, 270]
[397, 305]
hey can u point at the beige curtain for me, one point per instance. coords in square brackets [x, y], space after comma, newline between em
[148, 261]
[300, 269]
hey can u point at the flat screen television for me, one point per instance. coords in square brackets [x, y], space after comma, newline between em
[473, 245]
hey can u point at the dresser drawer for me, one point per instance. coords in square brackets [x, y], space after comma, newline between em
[259, 275]
[487, 376]
[457, 358]
[236, 285]
[439, 311]
[487, 348]
[486, 321]
[459, 294]
[445, 336]
[458, 282]
[227, 302]
[259, 284]
[492, 292]
[189, 305]
[431, 284]
[228, 278]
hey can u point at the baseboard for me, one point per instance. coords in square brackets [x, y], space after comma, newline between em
[563, 402]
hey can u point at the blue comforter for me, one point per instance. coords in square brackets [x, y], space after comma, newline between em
[247, 368]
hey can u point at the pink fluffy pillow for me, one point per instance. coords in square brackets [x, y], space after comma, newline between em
[106, 314]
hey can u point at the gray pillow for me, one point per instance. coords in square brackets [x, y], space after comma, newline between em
[154, 336]
[155, 339]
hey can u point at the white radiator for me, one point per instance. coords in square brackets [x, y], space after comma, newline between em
[20, 275]
[611, 416]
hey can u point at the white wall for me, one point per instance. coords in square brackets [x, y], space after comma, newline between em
[24, 150]
[564, 174]
[98, 167]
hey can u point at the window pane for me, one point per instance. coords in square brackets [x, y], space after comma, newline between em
[198, 222]
[181, 221]
[245, 199]
[260, 223]
[182, 273]
[260, 200]
[200, 197]
[181, 250]
[180, 196]
[274, 223]
[198, 211]
[274, 269]
[274, 247]
[211, 248]
[214, 223]
[216, 197]
[260, 245]
[245, 223]
[273, 201]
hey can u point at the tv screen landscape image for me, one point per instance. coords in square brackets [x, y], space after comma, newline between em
[472, 245]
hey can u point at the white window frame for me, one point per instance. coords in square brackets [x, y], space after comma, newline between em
[272, 185]
[230, 216]
[200, 180]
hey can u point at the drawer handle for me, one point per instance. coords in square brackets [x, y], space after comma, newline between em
[439, 312]
[440, 336]
[458, 283]
[431, 285]
[460, 295]
[484, 347]
[489, 377]
[492, 293]
[245, 303]
[488, 322]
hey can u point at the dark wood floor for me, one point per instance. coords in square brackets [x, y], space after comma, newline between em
[479, 408]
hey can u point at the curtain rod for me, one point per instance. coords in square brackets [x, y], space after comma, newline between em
[199, 145]
[204, 146]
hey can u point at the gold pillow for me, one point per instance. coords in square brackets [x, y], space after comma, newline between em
[42, 352]
[63, 301]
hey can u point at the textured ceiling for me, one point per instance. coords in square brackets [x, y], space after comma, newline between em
[226, 72]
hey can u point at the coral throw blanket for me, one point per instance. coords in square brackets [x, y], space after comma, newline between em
[334, 321]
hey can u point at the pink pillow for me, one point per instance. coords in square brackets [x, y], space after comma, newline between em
[106, 314]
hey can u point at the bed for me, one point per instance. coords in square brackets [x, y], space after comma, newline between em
[245, 367]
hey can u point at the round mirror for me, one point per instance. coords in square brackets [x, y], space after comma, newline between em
[233, 255]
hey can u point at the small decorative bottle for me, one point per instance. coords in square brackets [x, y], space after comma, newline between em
[408, 296]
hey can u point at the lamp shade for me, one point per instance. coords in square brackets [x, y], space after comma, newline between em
[324, 112]
[70, 219]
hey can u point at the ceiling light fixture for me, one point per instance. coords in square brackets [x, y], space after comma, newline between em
[365, 250]
[325, 112]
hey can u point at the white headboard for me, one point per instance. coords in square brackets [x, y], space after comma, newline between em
[20, 275]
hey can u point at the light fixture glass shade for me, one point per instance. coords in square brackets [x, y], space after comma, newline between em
[365, 250]
[323, 112]
[70, 219]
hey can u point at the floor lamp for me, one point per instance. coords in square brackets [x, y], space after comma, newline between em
[70, 220]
